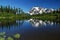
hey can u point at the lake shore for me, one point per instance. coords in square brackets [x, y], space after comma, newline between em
[9, 16]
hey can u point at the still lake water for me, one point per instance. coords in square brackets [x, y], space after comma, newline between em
[32, 29]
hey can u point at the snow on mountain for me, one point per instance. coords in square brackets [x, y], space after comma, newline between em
[38, 10]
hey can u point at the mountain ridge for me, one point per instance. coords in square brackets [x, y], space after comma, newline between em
[40, 10]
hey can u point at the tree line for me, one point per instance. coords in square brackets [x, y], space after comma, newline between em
[8, 9]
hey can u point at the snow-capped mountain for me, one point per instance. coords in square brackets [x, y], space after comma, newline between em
[38, 10]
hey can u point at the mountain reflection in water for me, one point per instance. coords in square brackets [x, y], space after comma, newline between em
[37, 23]
[32, 29]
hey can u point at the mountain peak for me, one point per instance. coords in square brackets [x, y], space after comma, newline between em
[37, 10]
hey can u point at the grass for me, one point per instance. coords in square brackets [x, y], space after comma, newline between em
[16, 36]
[47, 16]
[2, 38]
[11, 16]
[2, 33]
[10, 38]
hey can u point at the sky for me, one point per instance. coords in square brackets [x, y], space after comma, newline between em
[26, 5]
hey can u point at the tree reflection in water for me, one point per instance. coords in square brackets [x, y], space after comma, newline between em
[9, 24]
[32, 29]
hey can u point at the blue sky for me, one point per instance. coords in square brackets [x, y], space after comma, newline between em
[26, 5]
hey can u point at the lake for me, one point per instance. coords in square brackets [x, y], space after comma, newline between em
[32, 29]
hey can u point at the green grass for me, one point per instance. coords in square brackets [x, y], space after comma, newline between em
[2, 33]
[17, 36]
[47, 16]
[1, 38]
[11, 16]
[10, 38]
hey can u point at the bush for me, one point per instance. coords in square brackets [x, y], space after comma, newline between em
[9, 38]
[17, 36]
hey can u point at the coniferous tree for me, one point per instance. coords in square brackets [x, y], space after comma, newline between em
[8, 9]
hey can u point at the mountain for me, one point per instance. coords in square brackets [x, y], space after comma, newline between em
[39, 10]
